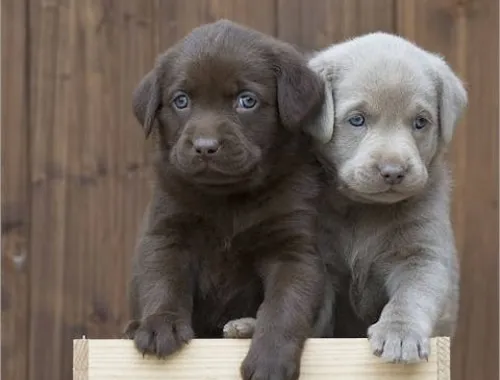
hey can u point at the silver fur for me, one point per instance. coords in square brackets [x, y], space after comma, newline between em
[397, 241]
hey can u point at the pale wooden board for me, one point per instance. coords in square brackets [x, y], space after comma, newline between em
[219, 359]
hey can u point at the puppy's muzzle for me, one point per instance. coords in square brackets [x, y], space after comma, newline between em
[214, 151]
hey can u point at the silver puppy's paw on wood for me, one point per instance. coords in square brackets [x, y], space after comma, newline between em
[398, 342]
[242, 328]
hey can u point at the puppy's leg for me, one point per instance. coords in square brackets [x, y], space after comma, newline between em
[293, 287]
[162, 283]
[417, 289]
[243, 328]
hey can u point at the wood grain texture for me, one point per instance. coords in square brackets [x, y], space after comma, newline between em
[218, 359]
[466, 34]
[320, 23]
[89, 170]
[177, 18]
[15, 192]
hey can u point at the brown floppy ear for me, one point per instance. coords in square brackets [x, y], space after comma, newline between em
[146, 100]
[300, 92]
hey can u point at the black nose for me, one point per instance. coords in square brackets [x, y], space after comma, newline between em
[392, 173]
[206, 146]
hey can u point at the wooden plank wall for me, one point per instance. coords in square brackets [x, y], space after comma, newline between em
[15, 276]
[75, 169]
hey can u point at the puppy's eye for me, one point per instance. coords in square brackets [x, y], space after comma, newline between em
[247, 100]
[420, 122]
[357, 120]
[181, 101]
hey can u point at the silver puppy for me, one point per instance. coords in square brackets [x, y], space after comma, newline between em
[390, 114]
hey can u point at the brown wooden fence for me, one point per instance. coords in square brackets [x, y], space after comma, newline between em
[75, 172]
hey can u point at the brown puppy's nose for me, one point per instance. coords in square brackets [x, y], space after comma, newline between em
[393, 174]
[206, 146]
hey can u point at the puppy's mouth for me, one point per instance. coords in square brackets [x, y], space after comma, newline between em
[218, 177]
[390, 194]
[213, 182]
[209, 177]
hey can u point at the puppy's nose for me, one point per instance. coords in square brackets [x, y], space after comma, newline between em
[393, 174]
[206, 146]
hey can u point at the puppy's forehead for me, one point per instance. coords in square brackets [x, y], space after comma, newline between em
[389, 83]
[223, 55]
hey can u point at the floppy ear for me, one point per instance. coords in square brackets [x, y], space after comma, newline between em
[146, 100]
[300, 92]
[452, 100]
[321, 126]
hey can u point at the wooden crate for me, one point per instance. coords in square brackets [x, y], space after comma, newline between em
[219, 359]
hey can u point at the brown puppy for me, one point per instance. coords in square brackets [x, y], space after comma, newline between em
[230, 230]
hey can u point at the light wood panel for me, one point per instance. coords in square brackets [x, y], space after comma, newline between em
[219, 359]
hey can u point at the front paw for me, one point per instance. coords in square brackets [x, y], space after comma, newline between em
[161, 335]
[277, 364]
[398, 342]
[242, 328]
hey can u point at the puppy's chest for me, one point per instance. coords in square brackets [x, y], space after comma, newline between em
[224, 256]
[365, 239]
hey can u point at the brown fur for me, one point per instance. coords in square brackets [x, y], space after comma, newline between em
[231, 234]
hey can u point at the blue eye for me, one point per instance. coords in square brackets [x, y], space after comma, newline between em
[356, 120]
[420, 122]
[181, 101]
[247, 100]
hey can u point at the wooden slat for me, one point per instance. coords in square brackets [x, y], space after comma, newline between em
[177, 18]
[89, 169]
[15, 192]
[320, 23]
[214, 359]
[466, 33]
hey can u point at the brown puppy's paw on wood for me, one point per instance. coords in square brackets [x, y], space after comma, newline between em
[272, 363]
[161, 336]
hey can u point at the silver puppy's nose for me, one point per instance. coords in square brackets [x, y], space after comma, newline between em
[206, 146]
[393, 174]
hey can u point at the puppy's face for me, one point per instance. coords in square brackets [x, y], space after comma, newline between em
[386, 131]
[225, 99]
[388, 117]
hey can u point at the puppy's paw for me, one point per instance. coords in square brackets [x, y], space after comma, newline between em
[159, 335]
[397, 342]
[242, 328]
[261, 364]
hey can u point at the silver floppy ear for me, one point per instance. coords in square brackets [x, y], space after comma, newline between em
[321, 126]
[453, 99]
